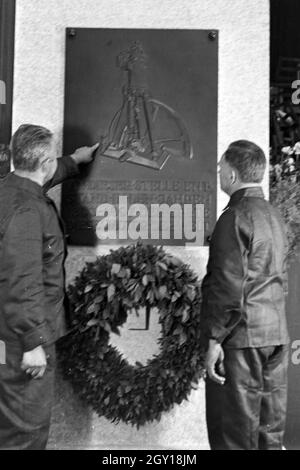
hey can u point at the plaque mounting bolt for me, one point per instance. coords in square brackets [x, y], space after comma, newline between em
[212, 35]
[72, 33]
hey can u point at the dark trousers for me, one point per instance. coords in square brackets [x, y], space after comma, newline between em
[248, 412]
[25, 403]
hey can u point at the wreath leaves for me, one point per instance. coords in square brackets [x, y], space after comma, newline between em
[103, 294]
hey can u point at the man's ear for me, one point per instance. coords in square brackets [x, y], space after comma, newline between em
[233, 177]
[43, 166]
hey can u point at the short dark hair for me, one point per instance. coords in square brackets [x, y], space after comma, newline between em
[248, 159]
[29, 145]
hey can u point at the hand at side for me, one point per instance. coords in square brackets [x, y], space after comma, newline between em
[34, 362]
[214, 362]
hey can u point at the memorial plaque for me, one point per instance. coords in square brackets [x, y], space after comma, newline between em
[150, 98]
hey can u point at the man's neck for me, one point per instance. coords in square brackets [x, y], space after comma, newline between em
[36, 178]
[244, 186]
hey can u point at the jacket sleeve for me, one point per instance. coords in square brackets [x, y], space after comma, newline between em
[66, 168]
[24, 306]
[222, 287]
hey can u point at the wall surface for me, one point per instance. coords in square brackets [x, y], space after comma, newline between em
[243, 112]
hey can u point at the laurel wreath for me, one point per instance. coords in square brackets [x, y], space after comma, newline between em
[103, 294]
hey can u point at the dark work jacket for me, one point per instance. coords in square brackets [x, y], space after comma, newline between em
[32, 253]
[243, 292]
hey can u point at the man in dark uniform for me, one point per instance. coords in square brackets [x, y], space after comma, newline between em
[243, 311]
[32, 254]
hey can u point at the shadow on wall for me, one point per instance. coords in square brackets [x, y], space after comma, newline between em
[78, 220]
[71, 423]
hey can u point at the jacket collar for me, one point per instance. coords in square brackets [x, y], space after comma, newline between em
[26, 184]
[253, 191]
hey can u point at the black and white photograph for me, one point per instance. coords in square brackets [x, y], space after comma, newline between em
[149, 228]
